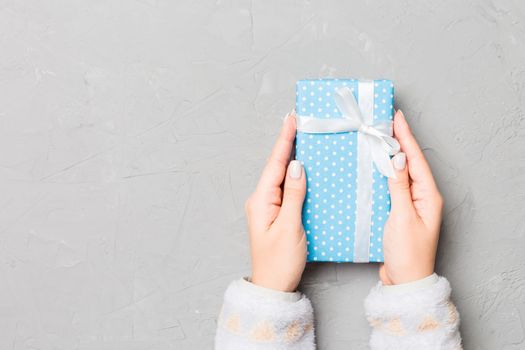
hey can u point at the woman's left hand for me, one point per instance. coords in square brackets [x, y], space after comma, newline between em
[277, 238]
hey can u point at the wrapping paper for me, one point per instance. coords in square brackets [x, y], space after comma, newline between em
[331, 162]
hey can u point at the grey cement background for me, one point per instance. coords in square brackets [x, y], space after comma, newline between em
[131, 132]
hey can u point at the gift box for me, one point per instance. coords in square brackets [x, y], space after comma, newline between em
[344, 141]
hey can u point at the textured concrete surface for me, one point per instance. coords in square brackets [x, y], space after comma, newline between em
[131, 133]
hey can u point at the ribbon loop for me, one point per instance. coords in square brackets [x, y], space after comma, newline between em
[378, 136]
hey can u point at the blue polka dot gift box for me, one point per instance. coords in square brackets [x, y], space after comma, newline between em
[344, 140]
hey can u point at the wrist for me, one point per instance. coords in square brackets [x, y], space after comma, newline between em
[270, 293]
[394, 274]
[413, 285]
[273, 284]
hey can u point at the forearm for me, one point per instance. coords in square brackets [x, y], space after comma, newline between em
[253, 317]
[418, 315]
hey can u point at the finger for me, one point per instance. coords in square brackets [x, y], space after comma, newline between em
[383, 276]
[425, 194]
[399, 187]
[259, 212]
[293, 196]
[418, 168]
[275, 169]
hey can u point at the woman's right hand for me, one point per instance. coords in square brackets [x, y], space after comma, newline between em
[412, 231]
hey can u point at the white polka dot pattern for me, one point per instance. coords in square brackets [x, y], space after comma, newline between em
[330, 162]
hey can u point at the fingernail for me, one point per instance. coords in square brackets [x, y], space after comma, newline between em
[399, 161]
[295, 169]
[400, 113]
[288, 115]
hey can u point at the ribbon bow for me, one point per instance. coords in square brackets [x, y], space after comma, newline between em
[378, 136]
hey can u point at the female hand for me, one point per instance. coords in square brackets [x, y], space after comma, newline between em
[277, 238]
[412, 230]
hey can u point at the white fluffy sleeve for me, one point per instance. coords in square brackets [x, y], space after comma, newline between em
[253, 317]
[418, 315]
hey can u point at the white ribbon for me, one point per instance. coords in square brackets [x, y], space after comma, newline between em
[378, 136]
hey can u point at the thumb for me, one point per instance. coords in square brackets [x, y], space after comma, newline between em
[399, 187]
[294, 192]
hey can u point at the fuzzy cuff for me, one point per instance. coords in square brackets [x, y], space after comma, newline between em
[413, 318]
[264, 319]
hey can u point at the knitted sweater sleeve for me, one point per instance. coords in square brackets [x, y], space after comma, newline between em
[417, 315]
[258, 318]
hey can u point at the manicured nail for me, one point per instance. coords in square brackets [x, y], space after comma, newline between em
[400, 113]
[295, 169]
[399, 161]
[288, 115]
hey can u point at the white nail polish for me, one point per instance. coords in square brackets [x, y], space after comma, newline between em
[289, 114]
[399, 161]
[295, 169]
